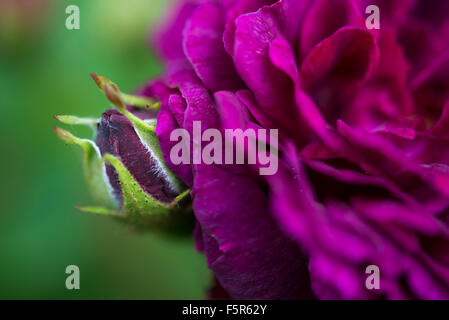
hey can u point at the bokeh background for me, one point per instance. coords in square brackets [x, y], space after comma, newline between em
[44, 70]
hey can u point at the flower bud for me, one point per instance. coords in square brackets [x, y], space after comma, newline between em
[124, 166]
[118, 137]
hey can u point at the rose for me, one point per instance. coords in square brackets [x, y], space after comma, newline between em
[362, 116]
[360, 113]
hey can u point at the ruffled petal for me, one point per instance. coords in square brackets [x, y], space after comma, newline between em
[250, 256]
[324, 18]
[203, 46]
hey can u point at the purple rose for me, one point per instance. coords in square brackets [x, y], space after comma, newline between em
[363, 125]
[363, 121]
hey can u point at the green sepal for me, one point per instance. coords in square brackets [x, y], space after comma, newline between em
[114, 97]
[152, 141]
[142, 210]
[140, 102]
[135, 199]
[93, 168]
[74, 120]
[132, 100]
[100, 211]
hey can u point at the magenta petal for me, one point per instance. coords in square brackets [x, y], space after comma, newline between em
[350, 54]
[203, 46]
[324, 18]
[431, 86]
[255, 260]
[393, 13]
[442, 126]
[235, 8]
[168, 37]
[343, 238]
[272, 89]
[435, 13]
[248, 99]
[200, 106]
[168, 120]
[177, 107]
[235, 116]
[282, 56]
[386, 100]
[382, 157]
[233, 113]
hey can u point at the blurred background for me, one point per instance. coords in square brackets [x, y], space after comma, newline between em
[44, 70]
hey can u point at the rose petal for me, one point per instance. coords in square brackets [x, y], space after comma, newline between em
[256, 261]
[203, 46]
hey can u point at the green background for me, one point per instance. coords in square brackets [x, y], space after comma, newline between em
[44, 70]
